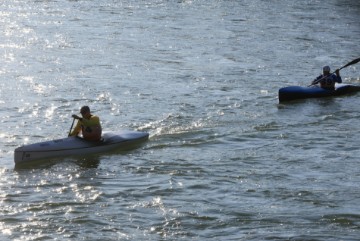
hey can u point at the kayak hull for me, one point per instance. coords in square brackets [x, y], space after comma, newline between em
[299, 92]
[74, 146]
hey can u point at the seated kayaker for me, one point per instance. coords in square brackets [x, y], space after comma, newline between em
[89, 125]
[327, 80]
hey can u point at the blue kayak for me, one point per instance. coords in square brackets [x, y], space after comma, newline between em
[299, 92]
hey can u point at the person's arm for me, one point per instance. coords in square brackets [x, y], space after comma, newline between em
[338, 77]
[77, 129]
[316, 80]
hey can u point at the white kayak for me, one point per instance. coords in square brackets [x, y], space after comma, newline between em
[122, 140]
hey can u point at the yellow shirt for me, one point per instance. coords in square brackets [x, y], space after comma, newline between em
[87, 126]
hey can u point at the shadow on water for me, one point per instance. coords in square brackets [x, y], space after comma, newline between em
[320, 102]
[81, 161]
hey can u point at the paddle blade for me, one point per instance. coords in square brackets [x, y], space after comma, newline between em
[351, 63]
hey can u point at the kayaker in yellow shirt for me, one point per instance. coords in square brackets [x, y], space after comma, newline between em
[89, 125]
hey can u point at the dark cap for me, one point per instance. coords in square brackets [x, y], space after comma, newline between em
[326, 68]
[84, 109]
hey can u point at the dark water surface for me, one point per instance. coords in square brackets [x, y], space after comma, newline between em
[224, 161]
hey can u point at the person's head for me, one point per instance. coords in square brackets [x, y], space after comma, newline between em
[326, 70]
[85, 111]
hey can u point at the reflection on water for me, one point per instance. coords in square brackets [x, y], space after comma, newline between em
[85, 162]
[88, 162]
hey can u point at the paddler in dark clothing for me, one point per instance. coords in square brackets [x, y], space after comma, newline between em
[327, 80]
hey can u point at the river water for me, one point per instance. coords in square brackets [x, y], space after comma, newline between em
[225, 160]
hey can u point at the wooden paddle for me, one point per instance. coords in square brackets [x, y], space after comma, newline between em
[346, 65]
[71, 126]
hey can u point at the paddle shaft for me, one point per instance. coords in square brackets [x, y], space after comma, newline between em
[351, 63]
[71, 126]
[346, 65]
